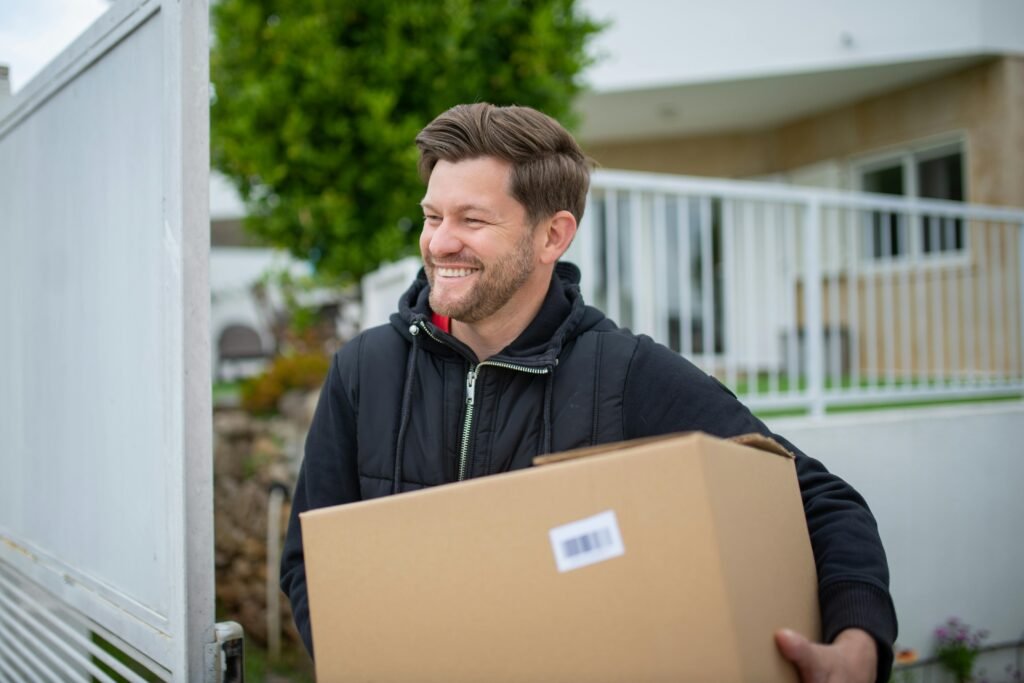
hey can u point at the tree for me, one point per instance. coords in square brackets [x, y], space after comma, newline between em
[317, 103]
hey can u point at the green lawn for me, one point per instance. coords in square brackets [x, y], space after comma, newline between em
[762, 386]
[293, 666]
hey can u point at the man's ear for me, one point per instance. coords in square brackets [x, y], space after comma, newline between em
[558, 233]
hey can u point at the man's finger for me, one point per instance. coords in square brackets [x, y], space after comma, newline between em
[801, 652]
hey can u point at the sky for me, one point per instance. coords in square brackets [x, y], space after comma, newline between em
[32, 32]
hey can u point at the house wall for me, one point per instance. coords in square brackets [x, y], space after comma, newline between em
[944, 485]
[985, 102]
[727, 155]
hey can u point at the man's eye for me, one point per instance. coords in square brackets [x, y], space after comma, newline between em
[431, 219]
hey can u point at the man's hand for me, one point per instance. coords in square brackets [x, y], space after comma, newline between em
[851, 658]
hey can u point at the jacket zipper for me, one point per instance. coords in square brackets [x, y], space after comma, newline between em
[467, 423]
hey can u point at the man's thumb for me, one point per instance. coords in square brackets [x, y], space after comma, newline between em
[798, 650]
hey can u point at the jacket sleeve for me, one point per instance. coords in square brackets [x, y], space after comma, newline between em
[853, 575]
[328, 476]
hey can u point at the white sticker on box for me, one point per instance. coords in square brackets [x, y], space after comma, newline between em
[587, 541]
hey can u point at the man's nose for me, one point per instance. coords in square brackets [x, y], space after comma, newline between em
[444, 242]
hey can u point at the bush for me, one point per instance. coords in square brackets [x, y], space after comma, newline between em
[958, 647]
[303, 371]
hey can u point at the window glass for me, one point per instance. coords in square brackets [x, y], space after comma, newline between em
[935, 174]
[886, 239]
[941, 177]
[888, 180]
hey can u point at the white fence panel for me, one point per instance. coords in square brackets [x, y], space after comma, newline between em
[383, 287]
[105, 436]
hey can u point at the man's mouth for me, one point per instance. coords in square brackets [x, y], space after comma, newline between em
[448, 271]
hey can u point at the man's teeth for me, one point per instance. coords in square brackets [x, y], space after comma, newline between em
[454, 272]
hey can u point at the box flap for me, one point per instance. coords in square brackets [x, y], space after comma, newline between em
[763, 443]
[751, 440]
[588, 451]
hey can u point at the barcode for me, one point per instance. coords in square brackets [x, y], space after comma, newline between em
[584, 544]
[586, 541]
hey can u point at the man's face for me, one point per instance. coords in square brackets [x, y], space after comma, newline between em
[477, 246]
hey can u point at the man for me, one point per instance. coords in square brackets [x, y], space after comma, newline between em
[493, 358]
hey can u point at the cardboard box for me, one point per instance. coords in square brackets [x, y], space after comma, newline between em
[669, 559]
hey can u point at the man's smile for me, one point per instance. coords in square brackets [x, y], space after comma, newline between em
[454, 272]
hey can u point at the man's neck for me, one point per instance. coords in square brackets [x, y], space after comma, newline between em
[489, 336]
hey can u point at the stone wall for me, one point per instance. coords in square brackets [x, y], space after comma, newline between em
[251, 456]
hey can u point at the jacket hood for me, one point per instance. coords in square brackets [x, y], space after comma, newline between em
[562, 317]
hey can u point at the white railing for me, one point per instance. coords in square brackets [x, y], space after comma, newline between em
[809, 299]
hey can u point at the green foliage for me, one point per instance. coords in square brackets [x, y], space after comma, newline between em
[318, 102]
[295, 292]
[957, 646]
[305, 371]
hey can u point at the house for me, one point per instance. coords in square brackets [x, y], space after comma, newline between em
[248, 309]
[241, 323]
[919, 100]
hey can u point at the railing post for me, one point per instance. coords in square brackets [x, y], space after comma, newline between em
[813, 325]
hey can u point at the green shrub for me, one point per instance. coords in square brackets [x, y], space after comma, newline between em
[304, 371]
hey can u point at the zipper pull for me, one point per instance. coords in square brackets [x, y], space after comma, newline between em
[470, 385]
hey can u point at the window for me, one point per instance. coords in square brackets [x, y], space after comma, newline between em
[887, 234]
[941, 177]
[930, 173]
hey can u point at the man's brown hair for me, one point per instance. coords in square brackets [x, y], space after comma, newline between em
[550, 173]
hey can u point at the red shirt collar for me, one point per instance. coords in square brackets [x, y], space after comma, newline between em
[443, 322]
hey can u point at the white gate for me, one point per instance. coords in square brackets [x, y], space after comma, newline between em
[106, 543]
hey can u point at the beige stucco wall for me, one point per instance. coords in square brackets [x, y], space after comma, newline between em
[736, 155]
[984, 102]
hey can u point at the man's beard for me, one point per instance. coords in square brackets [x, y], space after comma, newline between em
[497, 283]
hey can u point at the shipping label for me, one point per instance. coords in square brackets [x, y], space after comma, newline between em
[586, 541]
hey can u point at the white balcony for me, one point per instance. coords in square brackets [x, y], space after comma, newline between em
[809, 299]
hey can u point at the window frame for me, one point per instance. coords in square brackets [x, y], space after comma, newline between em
[907, 157]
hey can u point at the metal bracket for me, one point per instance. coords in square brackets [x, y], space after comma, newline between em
[230, 667]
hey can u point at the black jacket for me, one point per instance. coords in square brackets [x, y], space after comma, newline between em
[394, 408]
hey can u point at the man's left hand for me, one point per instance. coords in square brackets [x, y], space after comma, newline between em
[851, 658]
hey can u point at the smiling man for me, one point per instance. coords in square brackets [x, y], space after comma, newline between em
[493, 358]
